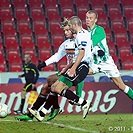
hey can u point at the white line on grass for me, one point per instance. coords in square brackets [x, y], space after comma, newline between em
[61, 125]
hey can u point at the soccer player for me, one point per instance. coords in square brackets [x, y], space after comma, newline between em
[66, 48]
[76, 73]
[31, 76]
[102, 61]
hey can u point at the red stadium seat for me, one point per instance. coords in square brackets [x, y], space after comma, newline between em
[11, 43]
[97, 3]
[130, 26]
[128, 65]
[5, 14]
[35, 3]
[57, 41]
[112, 3]
[53, 14]
[121, 41]
[19, 3]
[4, 3]
[101, 13]
[39, 28]
[61, 66]
[66, 3]
[2, 68]
[13, 57]
[49, 68]
[115, 14]
[80, 3]
[125, 55]
[67, 12]
[128, 13]
[2, 59]
[24, 28]
[42, 42]
[1, 46]
[37, 15]
[127, 3]
[27, 43]
[15, 68]
[8, 28]
[118, 27]
[21, 14]
[50, 3]
[44, 54]
[55, 28]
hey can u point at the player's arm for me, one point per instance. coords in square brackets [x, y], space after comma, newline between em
[35, 72]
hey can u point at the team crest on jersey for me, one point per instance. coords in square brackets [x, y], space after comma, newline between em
[83, 43]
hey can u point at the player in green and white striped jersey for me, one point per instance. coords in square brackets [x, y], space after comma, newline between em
[101, 59]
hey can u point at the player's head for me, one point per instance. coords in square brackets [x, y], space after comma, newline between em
[27, 58]
[64, 25]
[75, 24]
[91, 18]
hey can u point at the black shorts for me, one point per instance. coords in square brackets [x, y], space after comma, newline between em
[28, 87]
[81, 73]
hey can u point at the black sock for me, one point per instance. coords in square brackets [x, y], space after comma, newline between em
[39, 102]
[49, 102]
[55, 103]
[22, 105]
[69, 95]
[30, 115]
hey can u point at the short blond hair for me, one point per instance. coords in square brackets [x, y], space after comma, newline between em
[75, 20]
[64, 23]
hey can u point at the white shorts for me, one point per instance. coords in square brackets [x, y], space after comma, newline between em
[108, 68]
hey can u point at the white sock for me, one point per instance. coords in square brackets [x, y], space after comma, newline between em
[44, 110]
[80, 101]
[126, 89]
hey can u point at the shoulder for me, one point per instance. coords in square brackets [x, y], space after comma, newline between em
[99, 28]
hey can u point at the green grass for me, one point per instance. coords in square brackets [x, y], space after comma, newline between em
[94, 123]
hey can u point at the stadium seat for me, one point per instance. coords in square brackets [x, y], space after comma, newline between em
[13, 57]
[128, 13]
[101, 13]
[8, 28]
[4, 3]
[121, 41]
[67, 12]
[19, 3]
[2, 59]
[27, 43]
[39, 28]
[49, 68]
[125, 55]
[21, 14]
[1, 46]
[97, 3]
[61, 66]
[50, 3]
[2, 68]
[114, 56]
[80, 3]
[37, 14]
[127, 3]
[57, 41]
[81, 12]
[130, 26]
[5, 14]
[24, 28]
[66, 3]
[54, 28]
[52, 14]
[44, 54]
[11, 43]
[35, 3]
[112, 3]
[42, 42]
[15, 68]
[104, 24]
[114, 14]
[118, 27]
[128, 65]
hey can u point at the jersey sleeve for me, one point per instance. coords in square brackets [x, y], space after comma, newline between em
[98, 36]
[57, 56]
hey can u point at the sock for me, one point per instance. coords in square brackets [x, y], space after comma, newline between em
[55, 103]
[79, 88]
[39, 102]
[30, 115]
[49, 102]
[129, 92]
[43, 112]
[22, 104]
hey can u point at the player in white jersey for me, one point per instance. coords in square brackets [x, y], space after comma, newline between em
[76, 73]
[102, 61]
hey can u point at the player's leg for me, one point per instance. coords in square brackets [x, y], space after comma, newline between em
[128, 90]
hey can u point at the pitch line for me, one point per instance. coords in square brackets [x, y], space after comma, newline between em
[61, 125]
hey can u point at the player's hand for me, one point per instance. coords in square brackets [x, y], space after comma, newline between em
[19, 76]
[71, 72]
[33, 86]
[41, 65]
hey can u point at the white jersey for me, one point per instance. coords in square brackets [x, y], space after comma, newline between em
[83, 41]
[67, 48]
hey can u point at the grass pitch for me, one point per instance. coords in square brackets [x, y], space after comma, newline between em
[94, 123]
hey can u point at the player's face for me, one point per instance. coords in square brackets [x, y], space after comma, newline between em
[27, 58]
[72, 28]
[90, 20]
[67, 32]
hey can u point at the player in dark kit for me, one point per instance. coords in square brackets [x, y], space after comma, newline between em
[31, 75]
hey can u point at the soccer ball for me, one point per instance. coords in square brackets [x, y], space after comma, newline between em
[3, 110]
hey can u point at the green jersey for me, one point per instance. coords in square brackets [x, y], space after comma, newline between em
[99, 42]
